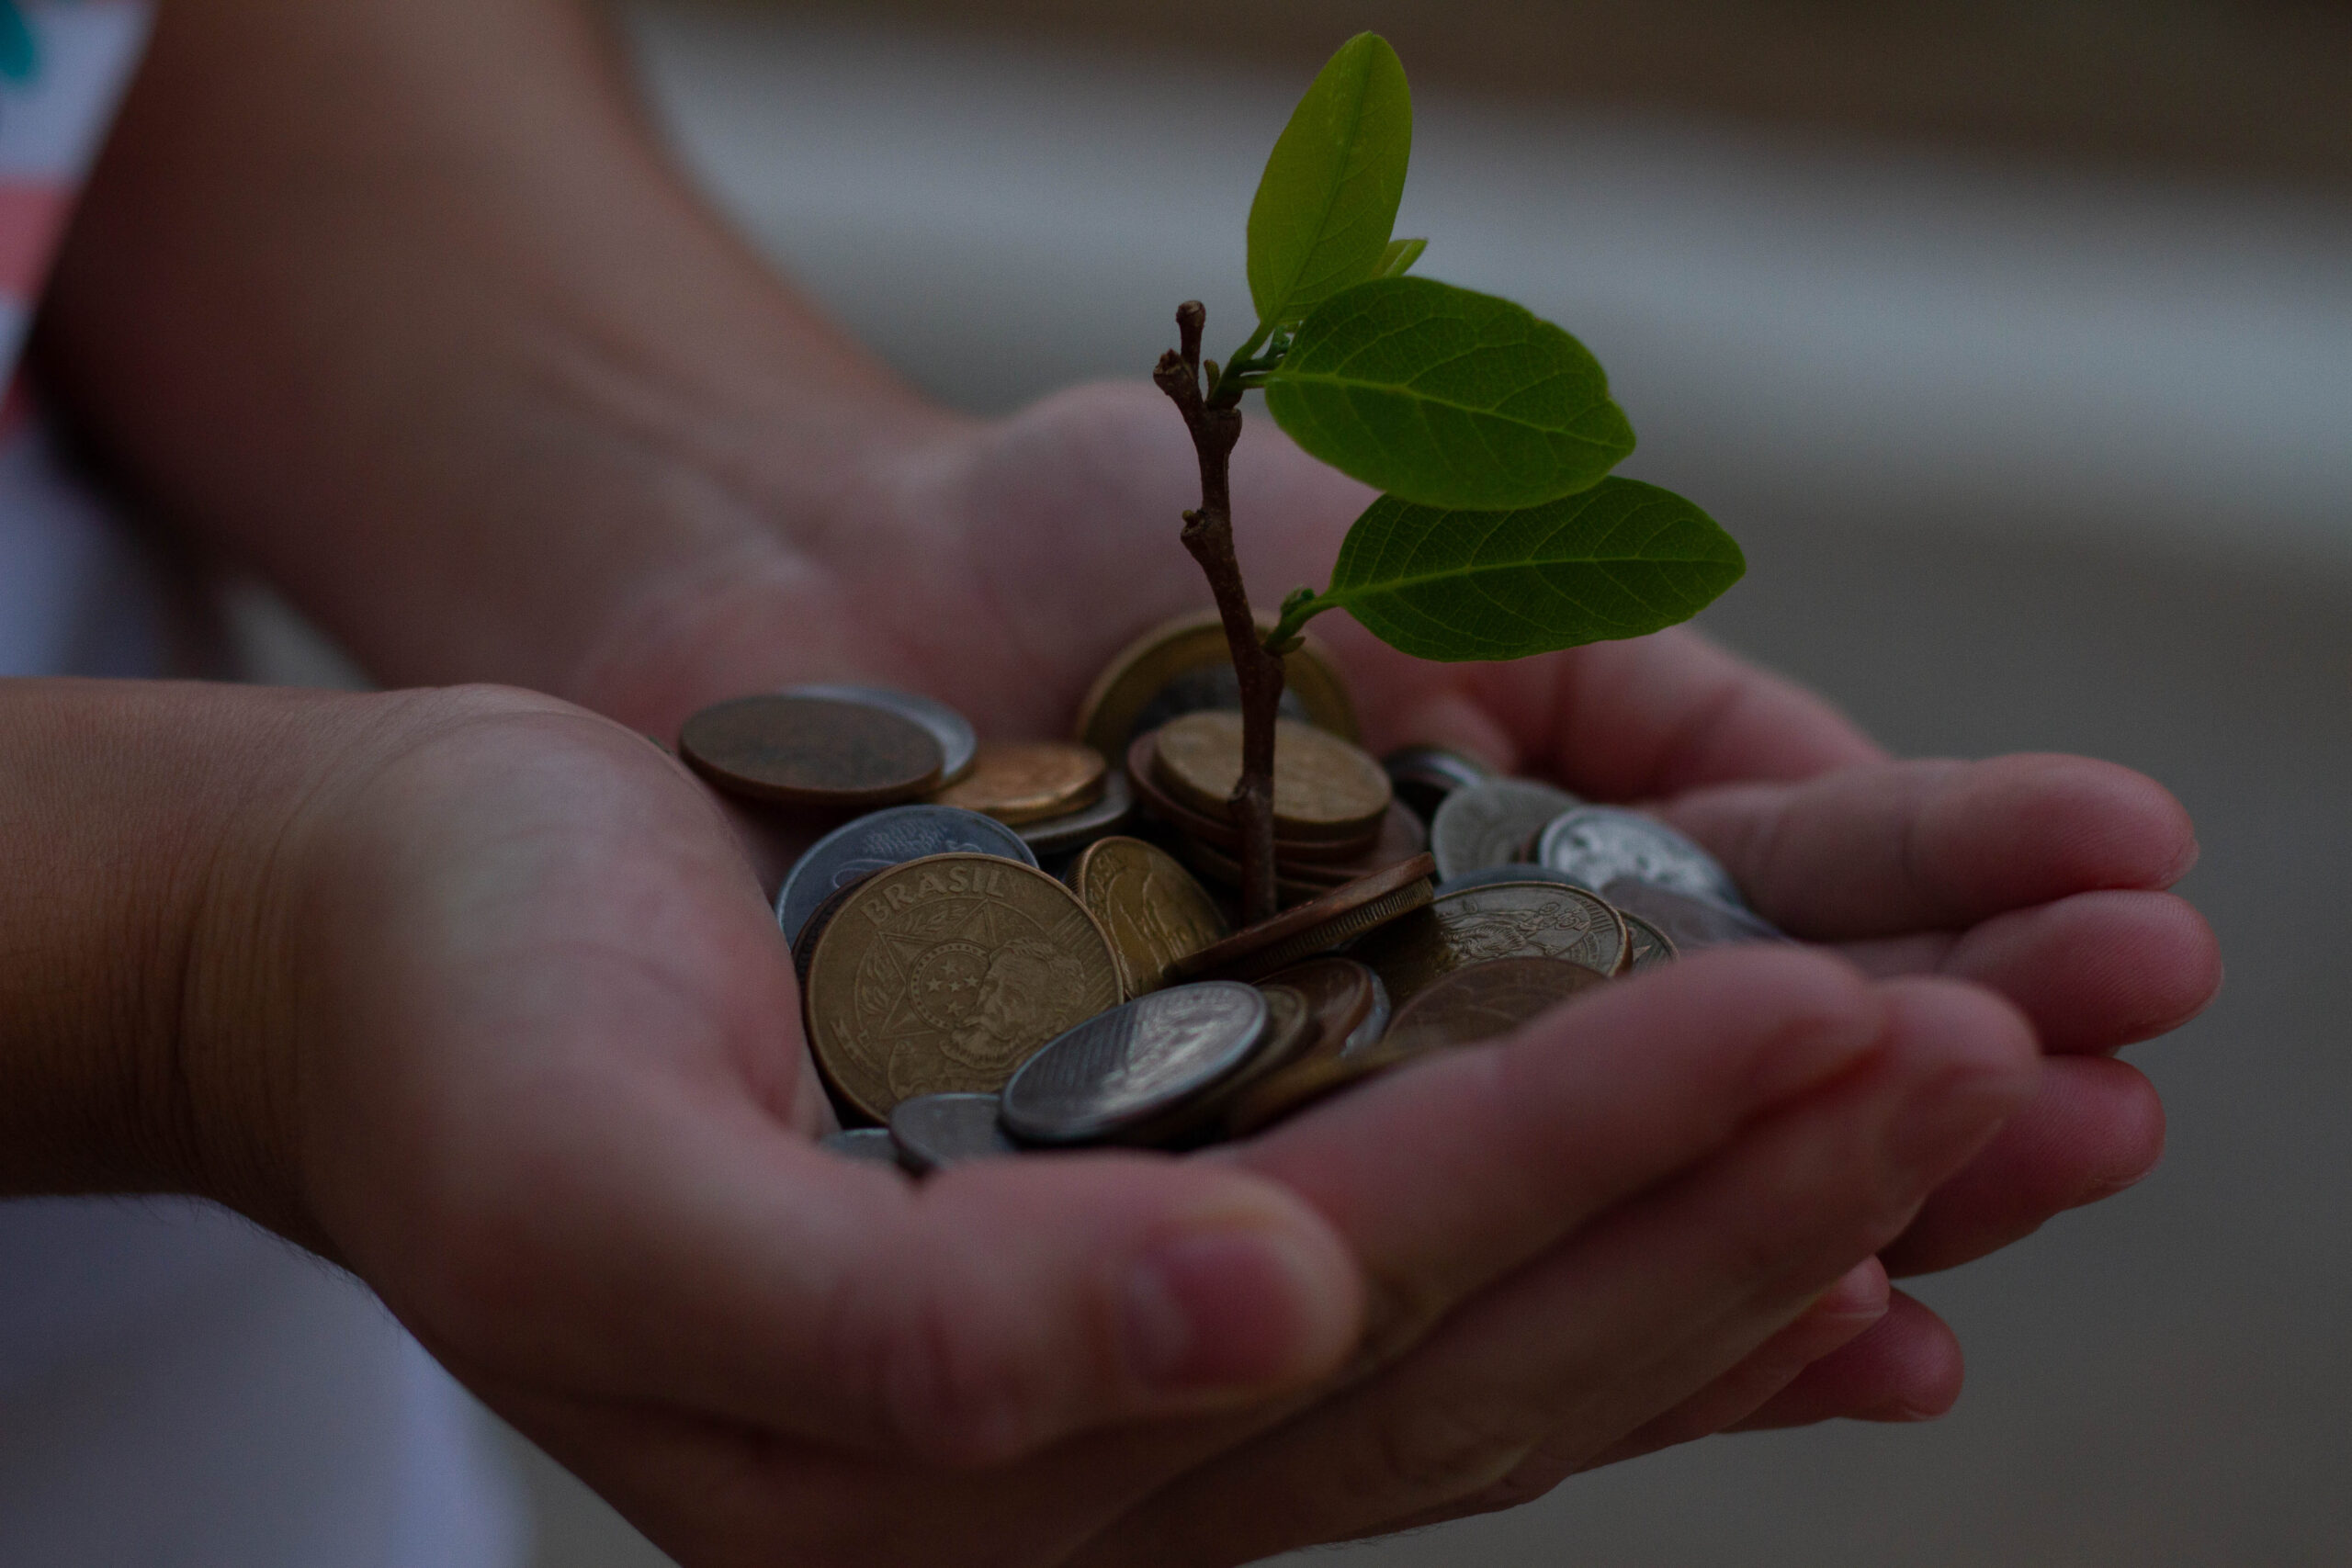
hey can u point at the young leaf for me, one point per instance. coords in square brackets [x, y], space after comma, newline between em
[1447, 397]
[1618, 560]
[1328, 198]
[1398, 259]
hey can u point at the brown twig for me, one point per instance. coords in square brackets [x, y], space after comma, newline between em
[1208, 534]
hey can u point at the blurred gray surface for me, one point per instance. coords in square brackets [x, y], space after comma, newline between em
[2020, 463]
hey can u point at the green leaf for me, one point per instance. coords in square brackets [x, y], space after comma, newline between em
[1620, 560]
[1328, 198]
[1447, 397]
[1398, 259]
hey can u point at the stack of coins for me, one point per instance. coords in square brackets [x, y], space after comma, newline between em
[1017, 946]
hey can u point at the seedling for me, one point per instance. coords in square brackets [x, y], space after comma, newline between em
[1501, 532]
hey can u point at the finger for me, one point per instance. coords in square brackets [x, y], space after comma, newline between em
[1901, 847]
[1842, 1313]
[693, 1254]
[2094, 1127]
[1905, 1367]
[1446, 1176]
[1625, 720]
[1658, 1299]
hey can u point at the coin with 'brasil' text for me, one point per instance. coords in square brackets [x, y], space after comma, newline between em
[946, 974]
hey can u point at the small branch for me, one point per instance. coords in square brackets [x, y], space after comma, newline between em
[1216, 426]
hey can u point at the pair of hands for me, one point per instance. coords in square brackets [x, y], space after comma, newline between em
[542, 1081]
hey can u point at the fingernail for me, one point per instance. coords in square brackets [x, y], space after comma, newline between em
[1233, 1308]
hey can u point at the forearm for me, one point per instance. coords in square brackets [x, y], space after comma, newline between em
[396, 301]
[149, 828]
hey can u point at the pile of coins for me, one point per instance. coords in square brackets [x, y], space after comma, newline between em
[1015, 946]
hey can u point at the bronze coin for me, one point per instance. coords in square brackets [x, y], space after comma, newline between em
[1651, 947]
[943, 974]
[1152, 909]
[1217, 827]
[1184, 665]
[1485, 1000]
[1317, 926]
[1506, 919]
[1019, 781]
[811, 752]
[1287, 1093]
[1216, 866]
[1344, 996]
[1325, 789]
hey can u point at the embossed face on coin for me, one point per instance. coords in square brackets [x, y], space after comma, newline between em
[1028, 781]
[1692, 923]
[1152, 909]
[1121, 1072]
[943, 974]
[957, 744]
[1598, 844]
[1485, 1001]
[1324, 788]
[882, 839]
[1513, 919]
[1490, 824]
[935, 1131]
[811, 752]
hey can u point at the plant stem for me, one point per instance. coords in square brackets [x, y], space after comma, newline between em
[1208, 534]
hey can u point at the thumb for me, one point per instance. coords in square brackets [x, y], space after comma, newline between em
[702, 1258]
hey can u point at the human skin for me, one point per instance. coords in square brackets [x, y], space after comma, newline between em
[441, 343]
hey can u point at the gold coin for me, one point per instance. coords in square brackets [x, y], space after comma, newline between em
[1504, 919]
[1183, 665]
[1324, 788]
[1153, 911]
[943, 974]
[1485, 1000]
[1028, 781]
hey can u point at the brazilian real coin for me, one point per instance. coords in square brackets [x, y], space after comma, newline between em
[1028, 781]
[1692, 923]
[1116, 1075]
[935, 1131]
[879, 840]
[1349, 1001]
[1599, 844]
[957, 743]
[1511, 920]
[1324, 788]
[818, 751]
[1485, 1001]
[1319, 926]
[1517, 871]
[1490, 824]
[946, 974]
[1183, 666]
[1061, 835]
[1153, 910]
[1302, 1084]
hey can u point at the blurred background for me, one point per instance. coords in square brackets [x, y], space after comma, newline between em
[2014, 340]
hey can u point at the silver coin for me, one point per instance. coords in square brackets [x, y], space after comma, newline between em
[1689, 922]
[1516, 871]
[880, 840]
[871, 1144]
[1489, 824]
[1121, 1071]
[1598, 844]
[1368, 1033]
[951, 729]
[935, 1131]
[1074, 830]
[1424, 775]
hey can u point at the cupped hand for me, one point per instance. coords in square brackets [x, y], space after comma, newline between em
[1000, 565]
[539, 1081]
